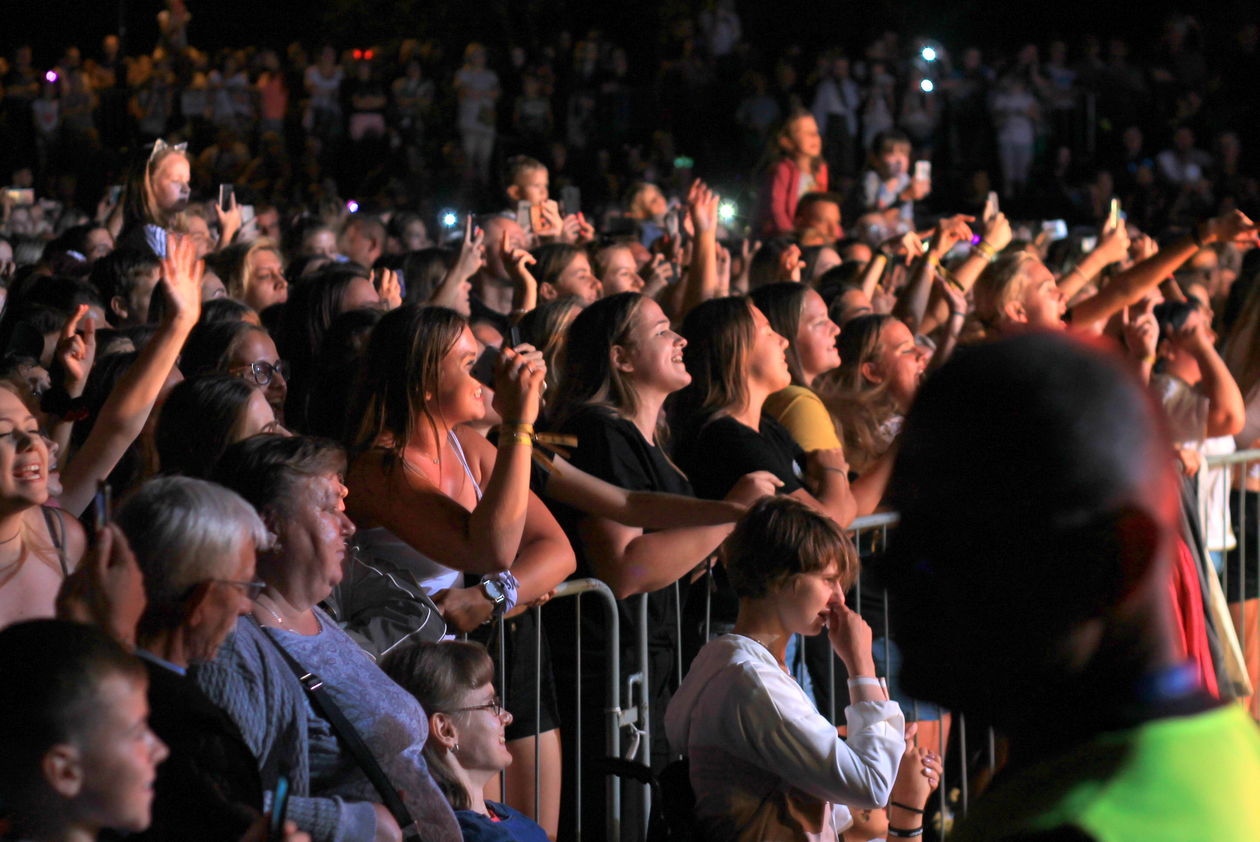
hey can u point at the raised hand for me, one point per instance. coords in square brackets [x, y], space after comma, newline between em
[518, 384]
[790, 264]
[107, 588]
[950, 230]
[390, 288]
[702, 206]
[1232, 227]
[76, 351]
[181, 280]
[229, 221]
[997, 233]
[1114, 245]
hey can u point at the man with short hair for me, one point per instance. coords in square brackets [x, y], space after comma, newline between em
[1031, 577]
[362, 239]
[125, 279]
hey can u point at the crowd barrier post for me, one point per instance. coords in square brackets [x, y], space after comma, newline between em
[612, 713]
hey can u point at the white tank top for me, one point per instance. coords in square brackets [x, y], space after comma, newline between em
[383, 544]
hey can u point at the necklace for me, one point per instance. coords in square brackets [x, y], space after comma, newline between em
[285, 624]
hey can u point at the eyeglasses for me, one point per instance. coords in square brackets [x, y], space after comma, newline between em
[495, 706]
[262, 372]
[251, 589]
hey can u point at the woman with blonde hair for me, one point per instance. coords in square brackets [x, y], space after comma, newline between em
[254, 273]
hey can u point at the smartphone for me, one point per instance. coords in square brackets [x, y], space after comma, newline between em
[1113, 215]
[537, 222]
[514, 336]
[247, 214]
[20, 195]
[101, 512]
[990, 207]
[570, 200]
[115, 193]
[1056, 228]
[672, 224]
[922, 170]
[225, 196]
[279, 808]
[524, 217]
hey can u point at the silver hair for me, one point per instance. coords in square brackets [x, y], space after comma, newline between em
[186, 531]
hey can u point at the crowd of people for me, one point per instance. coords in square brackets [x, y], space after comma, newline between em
[349, 461]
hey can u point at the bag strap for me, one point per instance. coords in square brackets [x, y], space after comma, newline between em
[321, 700]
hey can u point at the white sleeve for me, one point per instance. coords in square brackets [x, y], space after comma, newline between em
[782, 732]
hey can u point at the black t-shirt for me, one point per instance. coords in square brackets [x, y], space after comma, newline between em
[721, 451]
[612, 448]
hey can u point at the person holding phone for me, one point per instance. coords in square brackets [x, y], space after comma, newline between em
[432, 496]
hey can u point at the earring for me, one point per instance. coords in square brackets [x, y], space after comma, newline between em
[455, 748]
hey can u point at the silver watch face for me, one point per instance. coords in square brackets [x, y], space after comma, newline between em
[494, 590]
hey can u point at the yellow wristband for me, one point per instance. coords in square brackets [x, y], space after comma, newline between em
[516, 427]
[987, 251]
[516, 438]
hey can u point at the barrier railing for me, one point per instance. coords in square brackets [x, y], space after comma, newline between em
[869, 534]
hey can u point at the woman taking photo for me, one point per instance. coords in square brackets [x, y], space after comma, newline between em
[454, 682]
[764, 764]
[432, 496]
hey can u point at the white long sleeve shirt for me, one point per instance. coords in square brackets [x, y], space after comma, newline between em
[764, 764]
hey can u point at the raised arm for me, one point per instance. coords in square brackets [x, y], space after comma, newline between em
[1134, 283]
[128, 406]
[700, 281]
[487, 538]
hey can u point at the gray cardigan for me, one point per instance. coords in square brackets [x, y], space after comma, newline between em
[332, 799]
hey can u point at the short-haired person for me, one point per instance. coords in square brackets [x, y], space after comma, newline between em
[1043, 449]
[79, 756]
[363, 239]
[125, 280]
[763, 762]
[194, 543]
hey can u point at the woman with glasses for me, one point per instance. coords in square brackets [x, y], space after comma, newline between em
[243, 350]
[295, 484]
[453, 681]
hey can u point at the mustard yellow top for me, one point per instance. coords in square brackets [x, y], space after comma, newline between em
[802, 412]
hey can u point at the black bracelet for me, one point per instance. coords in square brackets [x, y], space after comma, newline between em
[905, 807]
[902, 833]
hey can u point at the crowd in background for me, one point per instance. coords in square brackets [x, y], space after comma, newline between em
[377, 346]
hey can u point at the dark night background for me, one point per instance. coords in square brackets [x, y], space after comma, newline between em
[48, 25]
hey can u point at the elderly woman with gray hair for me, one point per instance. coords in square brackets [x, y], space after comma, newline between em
[295, 485]
[195, 544]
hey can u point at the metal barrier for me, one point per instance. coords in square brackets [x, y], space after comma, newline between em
[614, 716]
[869, 534]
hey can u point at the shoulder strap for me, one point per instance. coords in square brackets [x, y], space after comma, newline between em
[58, 535]
[350, 739]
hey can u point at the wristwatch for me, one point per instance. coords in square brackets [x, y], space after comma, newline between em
[493, 591]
